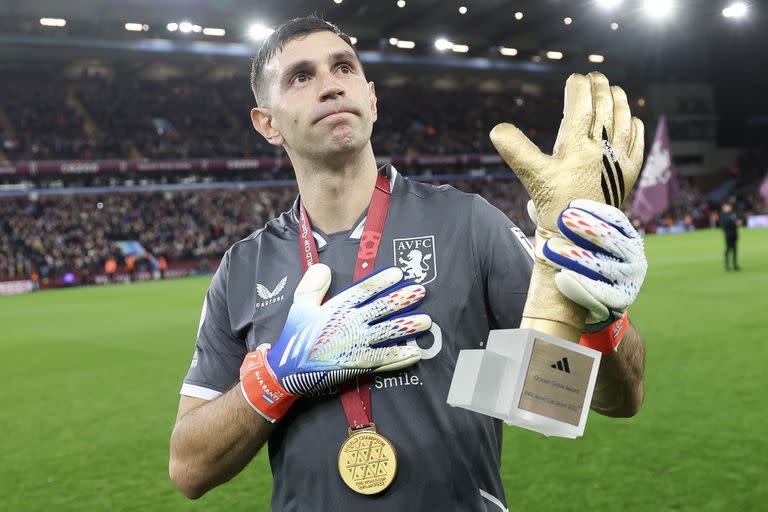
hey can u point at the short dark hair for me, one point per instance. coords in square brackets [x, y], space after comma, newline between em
[288, 31]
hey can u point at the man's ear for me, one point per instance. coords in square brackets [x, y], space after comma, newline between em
[372, 94]
[262, 122]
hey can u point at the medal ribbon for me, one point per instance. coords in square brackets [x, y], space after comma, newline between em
[355, 395]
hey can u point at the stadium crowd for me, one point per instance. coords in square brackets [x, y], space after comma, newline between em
[93, 118]
[50, 236]
[96, 118]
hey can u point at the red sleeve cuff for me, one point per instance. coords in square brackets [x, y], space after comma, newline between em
[607, 340]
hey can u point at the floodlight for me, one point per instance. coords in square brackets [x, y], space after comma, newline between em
[608, 4]
[217, 32]
[735, 10]
[53, 22]
[258, 31]
[443, 44]
[658, 9]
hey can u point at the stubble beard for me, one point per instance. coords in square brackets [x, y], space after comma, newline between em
[342, 136]
[344, 141]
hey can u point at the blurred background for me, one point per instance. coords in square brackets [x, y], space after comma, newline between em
[128, 165]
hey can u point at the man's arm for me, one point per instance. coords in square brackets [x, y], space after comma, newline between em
[619, 387]
[213, 441]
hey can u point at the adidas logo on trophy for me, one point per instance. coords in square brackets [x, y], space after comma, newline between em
[561, 365]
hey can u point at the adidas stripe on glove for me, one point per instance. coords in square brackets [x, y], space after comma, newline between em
[322, 345]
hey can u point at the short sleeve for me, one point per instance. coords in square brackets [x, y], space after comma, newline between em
[218, 351]
[504, 259]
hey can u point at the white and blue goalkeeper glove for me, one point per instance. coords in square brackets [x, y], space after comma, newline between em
[601, 259]
[322, 345]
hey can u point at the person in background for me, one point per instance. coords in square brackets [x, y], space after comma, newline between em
[110, 267]
[162, 264]
[730, 224]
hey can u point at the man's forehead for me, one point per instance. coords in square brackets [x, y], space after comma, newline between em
[317, 46]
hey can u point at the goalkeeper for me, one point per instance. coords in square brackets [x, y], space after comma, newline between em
[289, 353]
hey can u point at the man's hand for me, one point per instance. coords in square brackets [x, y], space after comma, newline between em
[597, 155]
[323, 345]
[600, 258]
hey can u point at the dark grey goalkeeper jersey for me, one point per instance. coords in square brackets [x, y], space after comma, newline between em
[475, 265]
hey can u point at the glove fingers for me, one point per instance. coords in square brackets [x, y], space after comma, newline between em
[395, 358]
[313, 285]
[616, 296]
[622, 122]
[563, 254]
[602, 230]
[532, 211]
[573, 289]
[577, 114]
[607, 213]
[401, 299]
[398, 328]
[379, 359]
[638, 143]
[602, 106]
[518, 151]
[362, 290]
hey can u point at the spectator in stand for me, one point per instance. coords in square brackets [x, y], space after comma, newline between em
[110, 268]
[162, 266]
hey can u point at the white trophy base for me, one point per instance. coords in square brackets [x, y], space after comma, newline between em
[528, 379]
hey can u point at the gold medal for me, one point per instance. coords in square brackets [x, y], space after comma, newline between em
[367, 461]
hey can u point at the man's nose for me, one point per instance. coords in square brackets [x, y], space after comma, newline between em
[329, 87]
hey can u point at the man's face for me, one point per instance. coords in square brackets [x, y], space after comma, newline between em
[318, 103]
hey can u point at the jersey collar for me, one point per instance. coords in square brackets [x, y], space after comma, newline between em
[321, 238]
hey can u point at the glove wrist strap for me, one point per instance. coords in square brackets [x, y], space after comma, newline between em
[608, 339]
[261, 388]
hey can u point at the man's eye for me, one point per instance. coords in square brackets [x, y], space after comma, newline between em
[300, 78]
[345, 68]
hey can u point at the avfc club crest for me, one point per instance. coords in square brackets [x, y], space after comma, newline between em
[416, 257]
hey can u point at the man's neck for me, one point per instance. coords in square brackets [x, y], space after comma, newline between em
[335, 196]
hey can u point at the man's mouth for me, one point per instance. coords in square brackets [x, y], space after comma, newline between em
[334, 114]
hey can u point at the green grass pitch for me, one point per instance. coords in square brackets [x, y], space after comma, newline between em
[90, 381]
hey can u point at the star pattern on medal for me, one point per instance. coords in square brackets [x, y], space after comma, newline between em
[366, 458]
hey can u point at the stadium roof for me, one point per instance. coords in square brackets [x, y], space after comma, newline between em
[532, 27]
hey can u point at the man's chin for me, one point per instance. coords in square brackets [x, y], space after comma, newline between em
[344, 138]
[341, 148]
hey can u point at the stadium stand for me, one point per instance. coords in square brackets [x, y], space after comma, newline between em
[92, 118]
[52, 236]
[95, 118]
